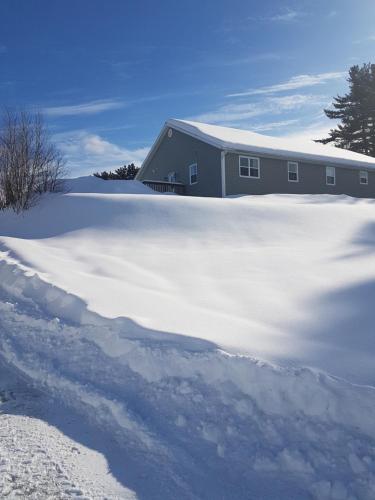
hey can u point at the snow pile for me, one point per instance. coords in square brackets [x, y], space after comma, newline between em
[144, 313]
[285, 278]
[197, 422]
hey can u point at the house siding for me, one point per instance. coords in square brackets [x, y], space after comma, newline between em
[312, 178]
[175, 154]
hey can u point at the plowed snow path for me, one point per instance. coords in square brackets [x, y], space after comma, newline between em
[37, 461]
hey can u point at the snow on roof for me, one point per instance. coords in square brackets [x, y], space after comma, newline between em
[244, 140]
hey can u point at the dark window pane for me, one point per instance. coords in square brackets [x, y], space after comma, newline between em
[292, 176]
[244, 171]
[254, 172]
[244, 162]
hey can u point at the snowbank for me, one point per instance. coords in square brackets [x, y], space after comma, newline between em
[211, 424]
[92, 184]
[150, 316]
[284, 278]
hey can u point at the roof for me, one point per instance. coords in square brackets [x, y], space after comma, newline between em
[226, 138]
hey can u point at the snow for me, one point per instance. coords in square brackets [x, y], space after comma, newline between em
[276, 277]
[37, 460]
[228, 138]
[212, 348]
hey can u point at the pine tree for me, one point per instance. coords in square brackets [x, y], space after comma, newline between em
[356, 112]
[127, 172]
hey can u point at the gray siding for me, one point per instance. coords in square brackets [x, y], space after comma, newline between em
[312, 178]
[175, 154]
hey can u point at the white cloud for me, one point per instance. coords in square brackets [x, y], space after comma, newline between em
[265, 127]
[234, 114]
[312, 132]
[86, 152]
[86, 108]
[288, 16]
[370, 38]
[296, 82]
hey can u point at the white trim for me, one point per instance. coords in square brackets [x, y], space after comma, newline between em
[223, 179]
[153, 148]
[172, 176]
[163, 182]
[296, 172]
[334, 176]
[365, 176]
[248, 167]
[190, 174]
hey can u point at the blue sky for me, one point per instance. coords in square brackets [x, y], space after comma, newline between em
[108, 73]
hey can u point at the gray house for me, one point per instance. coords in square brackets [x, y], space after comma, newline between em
[198, 159]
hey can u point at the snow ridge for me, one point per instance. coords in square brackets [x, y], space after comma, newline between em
[199, 422]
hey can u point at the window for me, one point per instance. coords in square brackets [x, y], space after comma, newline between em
[249, 167]
[292, 171]
[193, 173]
[330, 176]
[363, 177]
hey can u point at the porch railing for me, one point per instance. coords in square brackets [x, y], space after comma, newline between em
[165, 186]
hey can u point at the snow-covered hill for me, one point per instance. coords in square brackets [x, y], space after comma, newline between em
[216, 341]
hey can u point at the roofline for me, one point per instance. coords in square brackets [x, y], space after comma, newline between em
[152, 150]
[222, 146]
[217, 143]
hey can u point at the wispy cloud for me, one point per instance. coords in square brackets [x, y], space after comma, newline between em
[296, 82]
[229, 61]
[288, 15]
[235, 113]
[369, 38]
[87, 152]
[316, 130]
[266, 127]
[86, 108]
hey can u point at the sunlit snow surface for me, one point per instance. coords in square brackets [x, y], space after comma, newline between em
[214, 342]
[280, 277]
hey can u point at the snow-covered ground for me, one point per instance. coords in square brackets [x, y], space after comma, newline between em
[39, 455]
[218, 348]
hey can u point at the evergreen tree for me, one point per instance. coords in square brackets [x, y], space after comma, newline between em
[356, 112]
[127, 172]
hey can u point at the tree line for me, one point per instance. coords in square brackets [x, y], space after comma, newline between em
[126, 173]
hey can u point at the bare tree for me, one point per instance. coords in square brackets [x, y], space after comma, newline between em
[30, 164]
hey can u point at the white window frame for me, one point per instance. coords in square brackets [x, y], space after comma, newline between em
[191, 167]
[363, 174]
[334, 176]
[249, 158]
[290, 172]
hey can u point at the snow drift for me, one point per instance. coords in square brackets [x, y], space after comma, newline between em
[149, 314]
[284, 278]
